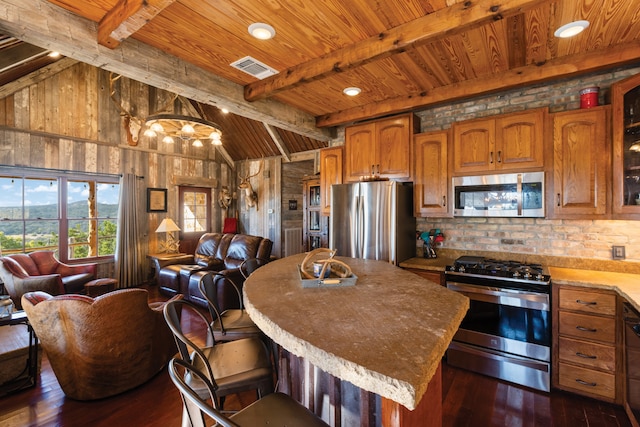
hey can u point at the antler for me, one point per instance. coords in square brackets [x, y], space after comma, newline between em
[165, 108]
[112, 90]
[245, 179]
[131, 123]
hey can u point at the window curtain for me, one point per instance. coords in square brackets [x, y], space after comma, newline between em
[129, 257]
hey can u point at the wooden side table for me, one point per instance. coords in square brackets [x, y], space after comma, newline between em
[29, 375]
[160, 260]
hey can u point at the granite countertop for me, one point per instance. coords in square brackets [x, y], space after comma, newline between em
[448, 256]
[620, 276]
[386, 334]
[625, 284]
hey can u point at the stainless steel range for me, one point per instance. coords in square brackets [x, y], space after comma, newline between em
[506, 333]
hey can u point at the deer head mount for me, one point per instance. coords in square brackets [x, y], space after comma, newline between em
[132, 124]
[250, 196]
[225, 198]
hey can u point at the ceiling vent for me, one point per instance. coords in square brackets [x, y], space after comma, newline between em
[254, 67]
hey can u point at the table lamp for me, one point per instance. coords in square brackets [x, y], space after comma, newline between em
[170, 245]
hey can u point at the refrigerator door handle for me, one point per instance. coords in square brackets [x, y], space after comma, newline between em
[359, 224]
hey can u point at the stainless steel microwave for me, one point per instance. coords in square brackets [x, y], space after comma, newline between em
[499, 195]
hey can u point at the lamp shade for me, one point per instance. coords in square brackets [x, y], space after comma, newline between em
[166, 226]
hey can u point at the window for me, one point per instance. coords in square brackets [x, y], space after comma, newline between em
[195, 209]
[72, 214]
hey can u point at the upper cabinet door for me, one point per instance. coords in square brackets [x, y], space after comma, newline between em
[520, 140]
[580, 163]
[474, 146]
[330, 173]
[625, 100]
[393, 148]
[360, 150]
[502, 143]
[431, 185]
[382, 148]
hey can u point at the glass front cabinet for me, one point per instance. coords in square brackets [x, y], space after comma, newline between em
[316, 226]
[625, 98]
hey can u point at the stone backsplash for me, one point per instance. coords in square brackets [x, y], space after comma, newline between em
[587, 240]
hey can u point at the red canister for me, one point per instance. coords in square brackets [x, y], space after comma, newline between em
[589, 97]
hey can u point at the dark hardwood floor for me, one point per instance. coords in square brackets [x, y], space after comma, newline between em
[468, 400]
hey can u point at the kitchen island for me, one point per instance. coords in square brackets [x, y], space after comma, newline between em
[385, 335]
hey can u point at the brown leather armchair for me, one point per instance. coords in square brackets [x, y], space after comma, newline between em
[104, 346]
[222, 253]
[41, 271]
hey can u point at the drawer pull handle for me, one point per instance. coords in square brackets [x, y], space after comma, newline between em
[584, 329]
[579, 301]
[588, 384]
[585, 356]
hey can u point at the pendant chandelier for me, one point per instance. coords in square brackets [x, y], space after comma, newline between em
[174, 127]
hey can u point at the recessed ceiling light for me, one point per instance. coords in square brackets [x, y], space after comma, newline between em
[571, 29]
[352, 91]
[224, 110]
[54, 54]
[262, 31]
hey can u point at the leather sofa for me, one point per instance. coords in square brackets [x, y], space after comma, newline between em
[41, 271]
[217, 252]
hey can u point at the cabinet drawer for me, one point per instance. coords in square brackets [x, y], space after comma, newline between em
[587, 380]
[587, 353]
[587, 302]
[588, 327]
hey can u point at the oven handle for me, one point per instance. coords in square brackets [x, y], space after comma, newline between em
[511, 297]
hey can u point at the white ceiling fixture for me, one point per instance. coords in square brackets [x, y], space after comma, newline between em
[352, 91]
[262, 31]
[571, 29]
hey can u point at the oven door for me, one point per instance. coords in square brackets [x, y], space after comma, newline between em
[513, 321]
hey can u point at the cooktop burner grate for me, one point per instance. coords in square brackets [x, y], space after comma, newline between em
[508, 269]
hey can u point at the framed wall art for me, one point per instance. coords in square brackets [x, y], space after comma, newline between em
[156, 199]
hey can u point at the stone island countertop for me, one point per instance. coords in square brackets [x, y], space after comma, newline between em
[386, 334]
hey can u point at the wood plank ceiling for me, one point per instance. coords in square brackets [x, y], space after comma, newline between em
[403, 54]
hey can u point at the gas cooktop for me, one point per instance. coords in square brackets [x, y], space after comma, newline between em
[510, 270]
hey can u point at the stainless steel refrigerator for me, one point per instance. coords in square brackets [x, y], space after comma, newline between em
[373, 220]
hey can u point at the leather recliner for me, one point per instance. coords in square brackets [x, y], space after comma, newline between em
[41, 271]
[217, 252]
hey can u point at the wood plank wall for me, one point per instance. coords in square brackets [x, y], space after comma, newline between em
[68, 121]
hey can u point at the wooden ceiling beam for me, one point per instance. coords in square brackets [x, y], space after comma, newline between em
[273, 133]
[43, 24]
[518, 77]
[451, 20]
[127, 17]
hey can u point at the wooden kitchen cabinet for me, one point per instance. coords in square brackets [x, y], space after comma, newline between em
[625, 101]
[330, 173]
[316, 226]
[431, 183]
[586, 342]
[581, 164]
[435, 276]
[502, 143]
[381, 148]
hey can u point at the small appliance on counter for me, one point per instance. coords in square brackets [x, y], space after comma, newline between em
[430, 239]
